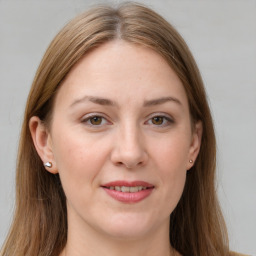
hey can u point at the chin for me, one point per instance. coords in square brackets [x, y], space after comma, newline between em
[127, 233]
[129, 227]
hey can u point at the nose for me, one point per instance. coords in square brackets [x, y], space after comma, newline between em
[129, 149]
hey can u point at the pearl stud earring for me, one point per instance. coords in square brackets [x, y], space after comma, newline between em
[191, 161]
[48, 164]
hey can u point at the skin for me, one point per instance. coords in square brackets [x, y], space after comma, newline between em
[136, 136]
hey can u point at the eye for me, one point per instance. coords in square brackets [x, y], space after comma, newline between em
[160, 120]
[94, 120]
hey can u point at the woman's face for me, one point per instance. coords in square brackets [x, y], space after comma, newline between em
[121, 122]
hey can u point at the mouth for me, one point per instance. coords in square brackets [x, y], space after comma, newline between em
[126, 189]
[128, 192]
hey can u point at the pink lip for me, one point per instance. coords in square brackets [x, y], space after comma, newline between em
[128, 183]
[128, 197]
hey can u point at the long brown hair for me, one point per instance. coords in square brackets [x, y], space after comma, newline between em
[40, 221]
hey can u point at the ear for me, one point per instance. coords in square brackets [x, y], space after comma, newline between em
[195, 144]
[43, 142]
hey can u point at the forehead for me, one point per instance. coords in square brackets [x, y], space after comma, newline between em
[122, 71]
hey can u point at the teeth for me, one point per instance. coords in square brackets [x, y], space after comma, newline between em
[133, 189]
[127, 189]
[117, 188]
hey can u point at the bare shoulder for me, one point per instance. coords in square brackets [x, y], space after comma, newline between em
[237, 254]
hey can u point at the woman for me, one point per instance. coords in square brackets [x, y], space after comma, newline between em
[117, 150]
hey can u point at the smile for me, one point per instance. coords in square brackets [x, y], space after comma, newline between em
[127, 189]
[128, 192]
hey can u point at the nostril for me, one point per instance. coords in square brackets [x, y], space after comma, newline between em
[129, 157]
[128, 166]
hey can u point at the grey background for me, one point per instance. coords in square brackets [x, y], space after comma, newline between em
[222, 37]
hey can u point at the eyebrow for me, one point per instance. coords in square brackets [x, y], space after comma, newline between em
[108, 102]
[96, 100]
[160, 101]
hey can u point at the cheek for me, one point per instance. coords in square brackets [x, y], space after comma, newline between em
[171, 161]
[79, 159]
[173, 178]
[172, 152]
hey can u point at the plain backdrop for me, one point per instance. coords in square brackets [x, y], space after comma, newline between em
[222, 36]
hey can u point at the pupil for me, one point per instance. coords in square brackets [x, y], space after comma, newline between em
[158, 120]
[96, 120]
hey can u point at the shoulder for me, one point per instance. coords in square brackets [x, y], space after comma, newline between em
[237, 254]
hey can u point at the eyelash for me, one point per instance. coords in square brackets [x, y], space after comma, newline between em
[166, 120]
[89, 118]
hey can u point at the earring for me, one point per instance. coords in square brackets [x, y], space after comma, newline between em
[48, 164]
[191, 161]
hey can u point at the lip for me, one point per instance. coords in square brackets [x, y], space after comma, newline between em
[128, 183]
[128, 197]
